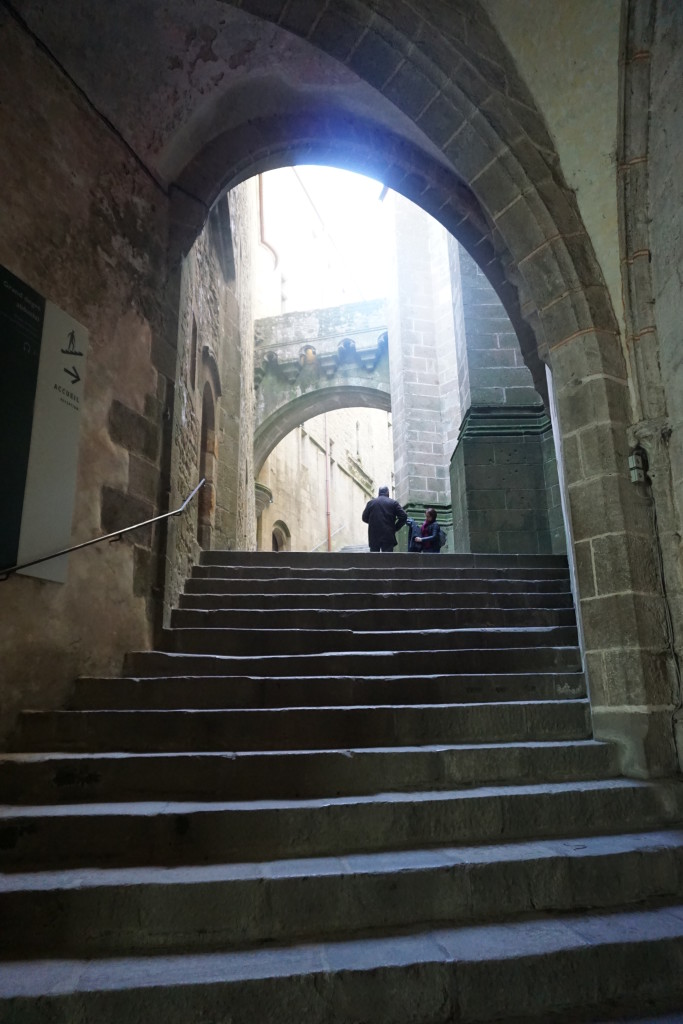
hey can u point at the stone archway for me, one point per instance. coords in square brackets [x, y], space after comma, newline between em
[483, 163]
[310, 404]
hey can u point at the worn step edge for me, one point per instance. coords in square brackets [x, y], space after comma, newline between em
[368, 602]
[224, 905]
[317, 618]
[177, 832]
[301, 727]
[259, 691]
[320, 560]
[322, 586]
[255, 640]
[389, 662]
[68, 777]
[532, 967]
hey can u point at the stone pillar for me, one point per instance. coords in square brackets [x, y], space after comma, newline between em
[424, 382]
[504, 483]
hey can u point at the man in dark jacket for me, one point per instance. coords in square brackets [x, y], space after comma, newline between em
[384, 517]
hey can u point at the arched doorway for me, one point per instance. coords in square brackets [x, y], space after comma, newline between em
[281, 536]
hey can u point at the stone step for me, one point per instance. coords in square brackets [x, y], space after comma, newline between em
[174, 833]
[357, 663]
[72, 778]
[254, 641]
[399, 618]
[325, 585]
[301, 728]
[284, 691]
[387, 574]
[320, 561]
[537, 968]
[109, 912]
[380, 602]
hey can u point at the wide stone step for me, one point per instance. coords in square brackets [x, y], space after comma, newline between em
[70, 778]
[301, 728]
[186, 832]
[325, 585]
[387, 574]
[532, 969]
[255, 641]
[357, 663]
[320, 561]
[380, 602]
[380, 620]
[286, 691]
[108, 912]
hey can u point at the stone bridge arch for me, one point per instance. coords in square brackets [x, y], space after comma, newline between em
[312, 403]
[315, 361]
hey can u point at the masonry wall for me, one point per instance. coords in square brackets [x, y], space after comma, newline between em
[665, 179]
[504, 483]
[215, 349]
[424, 388]
[83, 224]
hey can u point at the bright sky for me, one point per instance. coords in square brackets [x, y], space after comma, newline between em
[329, 229]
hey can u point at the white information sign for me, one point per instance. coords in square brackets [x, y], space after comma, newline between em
[53, 455]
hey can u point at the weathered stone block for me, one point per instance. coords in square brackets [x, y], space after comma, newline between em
[143, 478]
[629, 676]
[133, 431]
[624, 619]
[479, 499]
[583, 555]
[487, 396]
[605, 505]
[525, 452]
[522, 396]
[588, 355]
[120, 510]
[336, 33]
[375, 59]
[413, 89]
[499, 377]
[523, 234]
[604, 449]
[623, 562]
[523, 498]
[144, 568]
[507, 477]
[486, 543]
[644, 738]
[477, 452]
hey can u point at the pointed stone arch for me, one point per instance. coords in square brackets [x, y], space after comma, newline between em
[480, 159]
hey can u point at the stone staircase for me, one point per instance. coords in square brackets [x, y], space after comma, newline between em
[348, 788]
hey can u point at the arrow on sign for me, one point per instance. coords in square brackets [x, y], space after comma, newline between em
[73, 373]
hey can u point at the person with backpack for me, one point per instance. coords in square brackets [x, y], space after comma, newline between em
[428, 538]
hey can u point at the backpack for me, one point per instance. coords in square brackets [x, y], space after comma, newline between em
[442, 538]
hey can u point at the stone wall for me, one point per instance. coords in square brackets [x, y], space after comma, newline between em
[504, 483]
[85, 225]
[665, 180]
[215, 343]
[424, 389]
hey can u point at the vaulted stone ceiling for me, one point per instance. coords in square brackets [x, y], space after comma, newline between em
[171, 76]
[423, 95]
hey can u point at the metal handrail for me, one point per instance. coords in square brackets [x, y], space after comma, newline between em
[111, 537]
